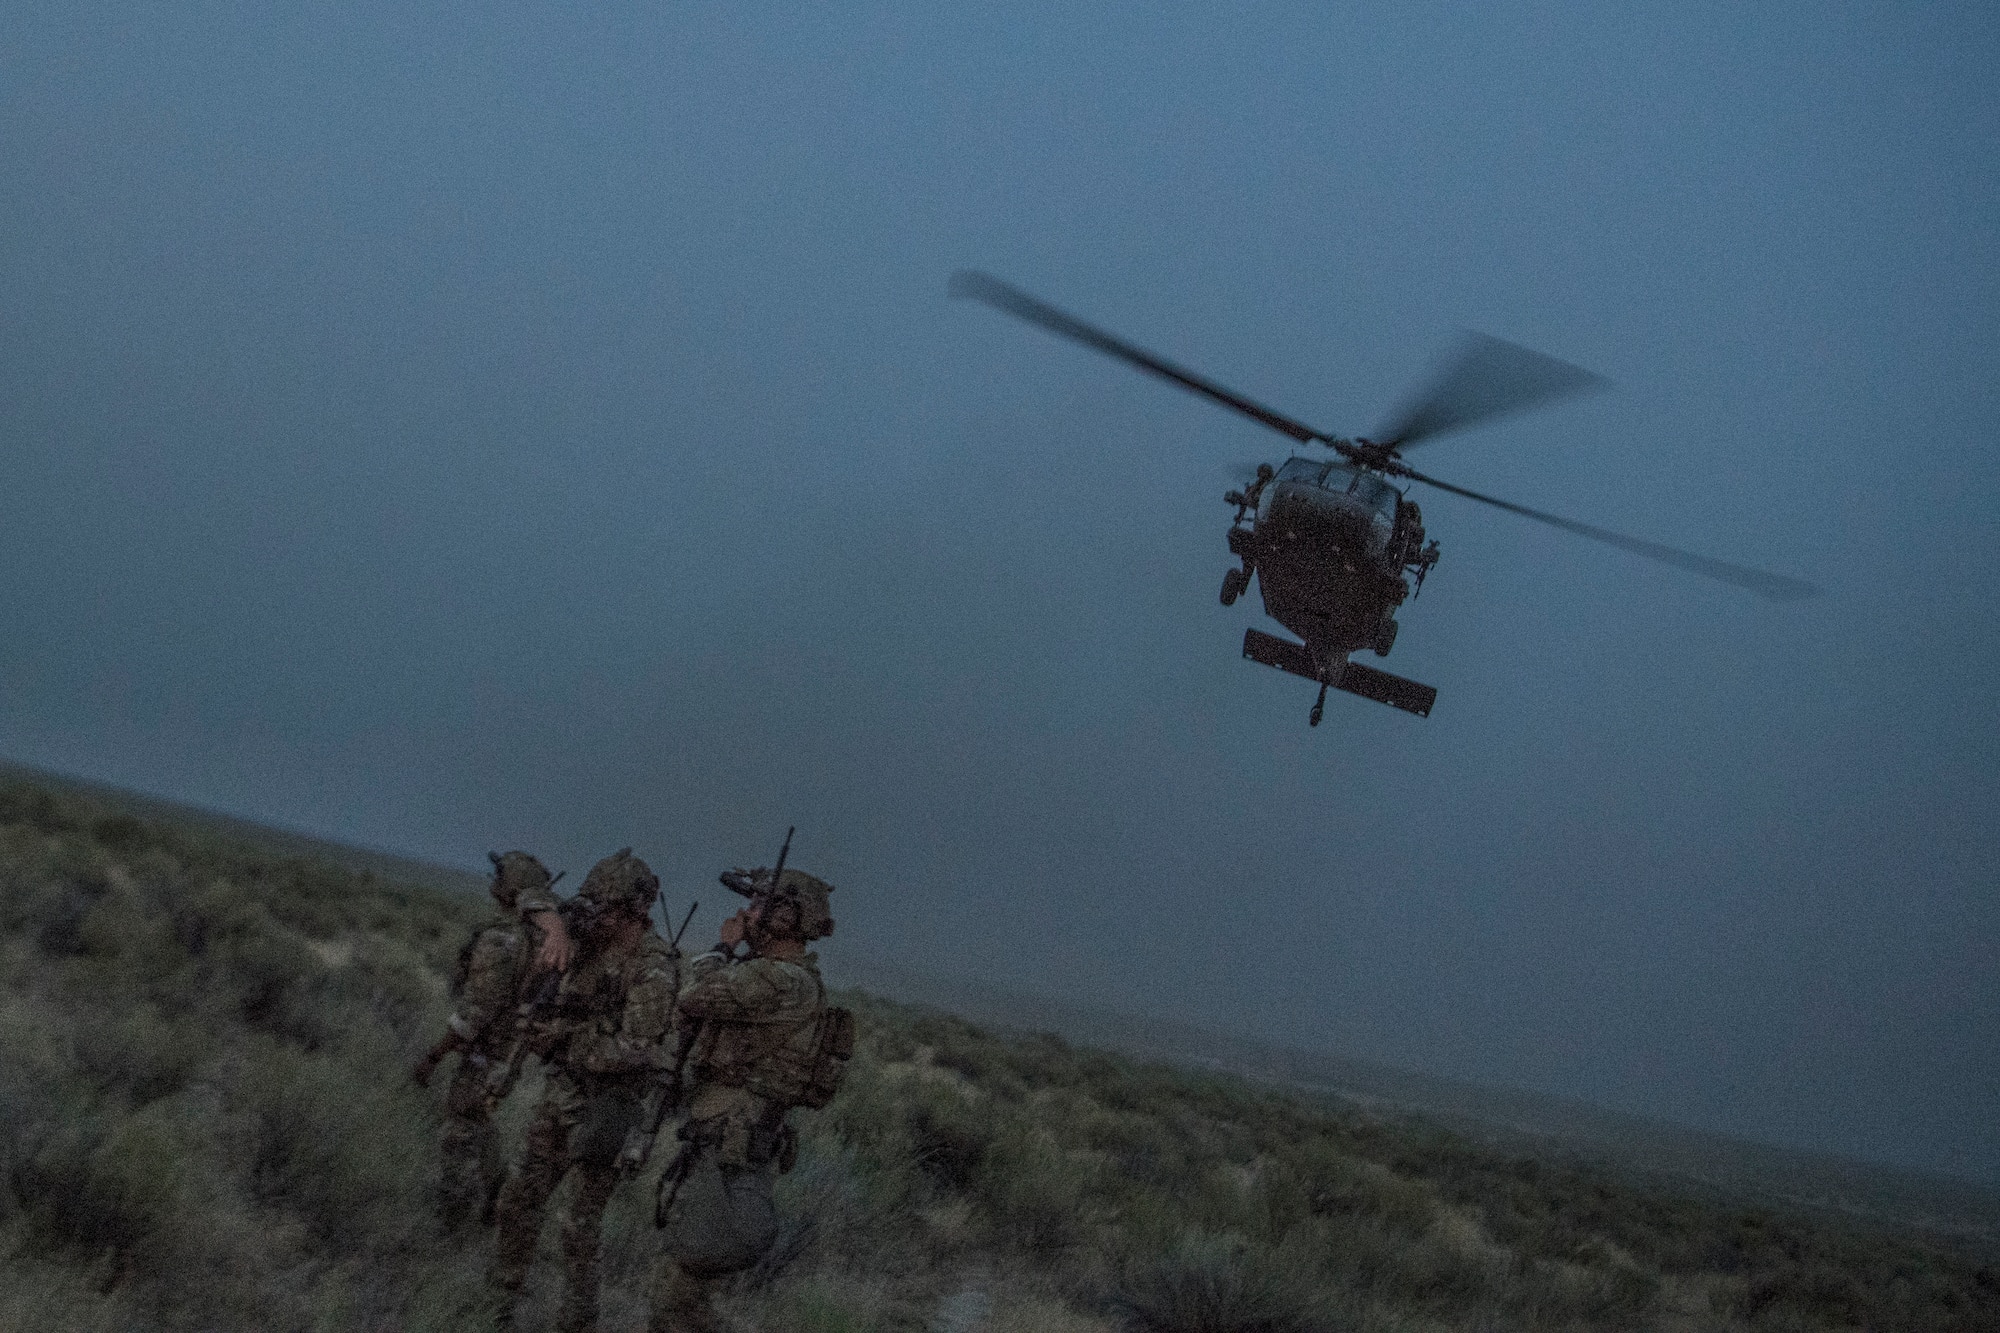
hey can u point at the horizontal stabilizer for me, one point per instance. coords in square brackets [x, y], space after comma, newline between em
[1353, 677]
[1283, 654]
[1384, 688]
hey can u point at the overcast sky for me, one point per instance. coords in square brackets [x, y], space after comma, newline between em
[449, 426]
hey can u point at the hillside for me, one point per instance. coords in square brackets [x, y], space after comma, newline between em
[1515, 1120]
[207, 1123]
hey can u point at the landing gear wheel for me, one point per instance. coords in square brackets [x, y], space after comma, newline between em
[1385, 637]
[1233, 584]
[1319, 709]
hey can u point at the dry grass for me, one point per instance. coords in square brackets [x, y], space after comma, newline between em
[207, 1125]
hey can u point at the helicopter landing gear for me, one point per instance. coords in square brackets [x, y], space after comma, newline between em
[1385, 637]
[1233, 584]
[1319, 707]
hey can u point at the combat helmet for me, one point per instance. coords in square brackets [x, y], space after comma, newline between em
[515, 873]
[621, 880]
[809, 894]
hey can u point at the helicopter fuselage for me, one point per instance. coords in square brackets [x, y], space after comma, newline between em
[1329, 545]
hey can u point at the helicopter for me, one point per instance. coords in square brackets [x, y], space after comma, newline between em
[1334, 543]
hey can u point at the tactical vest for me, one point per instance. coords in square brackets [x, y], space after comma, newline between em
[462, 969]
[594, 1002]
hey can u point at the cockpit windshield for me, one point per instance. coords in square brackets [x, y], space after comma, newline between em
[1374, 492]
[1340, 479]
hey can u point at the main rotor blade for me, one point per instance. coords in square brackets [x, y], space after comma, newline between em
[1482, 378]
[1001, 296]
[1774, 586]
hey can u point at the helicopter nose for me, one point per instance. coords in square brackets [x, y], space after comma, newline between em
[1310, 514]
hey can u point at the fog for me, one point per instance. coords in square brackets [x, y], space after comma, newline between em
[447, 427]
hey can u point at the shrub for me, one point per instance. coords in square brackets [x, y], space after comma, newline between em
[824, 1205]
[830, 1303]
[205, 1123]
[950, 1131]
[1143, 1150]
[1211, 1283]
[339, 1141]
[69, 1206]
[59, 911]
[43, 1297]
[131, 937]
[139, 1051]
[1033, 1191]
[141, 1185]
[1336, 1184]
[128, 1190]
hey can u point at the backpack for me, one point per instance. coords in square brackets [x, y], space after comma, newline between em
[832, 1048]
[461, 971]
[803, 1067]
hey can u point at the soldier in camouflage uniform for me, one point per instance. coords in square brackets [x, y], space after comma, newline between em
[603, 1047]
[487, 983]
[751, 1056]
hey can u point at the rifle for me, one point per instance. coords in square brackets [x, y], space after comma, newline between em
[662, 1097]
[528, 1017]
[667, 1092]
[676, 940]
[532, 1014]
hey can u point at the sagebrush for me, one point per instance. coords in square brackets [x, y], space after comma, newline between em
[204, 1048]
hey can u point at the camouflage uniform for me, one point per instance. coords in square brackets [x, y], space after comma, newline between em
[605, 1047]
[487, 985]
[758, 1019]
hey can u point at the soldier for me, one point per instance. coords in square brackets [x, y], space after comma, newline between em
[603, 1049]
[492, 971]
[764, 1041]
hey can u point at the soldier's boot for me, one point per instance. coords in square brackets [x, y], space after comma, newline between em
[680, 1302]
[583, 1229]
